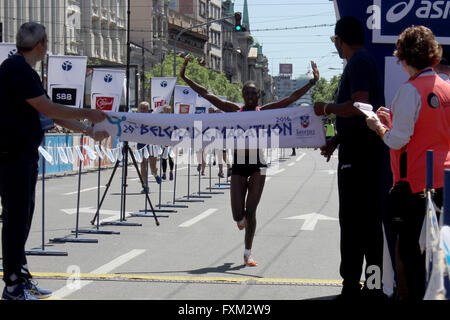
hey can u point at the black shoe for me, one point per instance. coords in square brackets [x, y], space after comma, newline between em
[35, 291]
[19, 293]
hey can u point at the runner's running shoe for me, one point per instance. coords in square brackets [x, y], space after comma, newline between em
[242, 225]
[250, 261]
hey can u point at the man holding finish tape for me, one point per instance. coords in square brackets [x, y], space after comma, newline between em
[25, 112]
[360, 161]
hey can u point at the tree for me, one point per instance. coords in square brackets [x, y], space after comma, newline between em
[324, 90]
[210, 79]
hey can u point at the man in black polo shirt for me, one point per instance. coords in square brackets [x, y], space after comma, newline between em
[360, 161]
[25, 111]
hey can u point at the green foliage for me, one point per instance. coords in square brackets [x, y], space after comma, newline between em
[210, 79]
[325, 91]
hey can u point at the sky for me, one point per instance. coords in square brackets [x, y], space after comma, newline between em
[296, 46]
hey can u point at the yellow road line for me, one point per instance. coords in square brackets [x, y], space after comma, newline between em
[192, 279]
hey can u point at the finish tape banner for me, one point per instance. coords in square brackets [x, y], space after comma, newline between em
[7, 50]
[66, 78]
[281, 128]
[106, 91]
[162, 89]
[184, 99]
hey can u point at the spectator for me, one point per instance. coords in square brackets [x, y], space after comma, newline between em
[418, 120]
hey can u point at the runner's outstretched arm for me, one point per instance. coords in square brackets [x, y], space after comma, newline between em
[297, 94]
[219, 103]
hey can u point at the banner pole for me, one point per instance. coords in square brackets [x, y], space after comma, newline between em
[96, 230]
[160, 174]
[189, 177]
[209, 165]
[429, 169]
[175, 175]
[76, 238]
[145, 214]
[41, 251]
[173, 205]
[446, 219]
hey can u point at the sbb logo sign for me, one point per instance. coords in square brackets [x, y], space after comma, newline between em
[104, 103]
[65, 96]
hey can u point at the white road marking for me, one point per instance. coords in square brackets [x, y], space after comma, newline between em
[73, 285]
[83, 190]
[272, 173]
[115, 214]
[301, 157]
[310, 220]
[291, 164]
[198, 218]
[331, 171]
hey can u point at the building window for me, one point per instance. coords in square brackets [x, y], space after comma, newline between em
[202, 9]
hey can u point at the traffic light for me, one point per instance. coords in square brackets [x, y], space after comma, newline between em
[237, 25]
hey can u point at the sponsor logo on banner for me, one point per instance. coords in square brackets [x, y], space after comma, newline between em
[104, 103]
[186, 91]
[200, 110]
[184, 108]
[163, 84]
[304, 120]
[67, 65]
[66, 96]
[389, 18]
[108, 78]
[159, 102]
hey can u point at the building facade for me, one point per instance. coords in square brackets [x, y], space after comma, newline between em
[98, 30]
[13, 13]
[95, 28]
[285, 85]
[184, 14]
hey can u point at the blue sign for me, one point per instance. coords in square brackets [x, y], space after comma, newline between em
[200, 110]
[384, 20]
[390, 18]
[52, 143]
